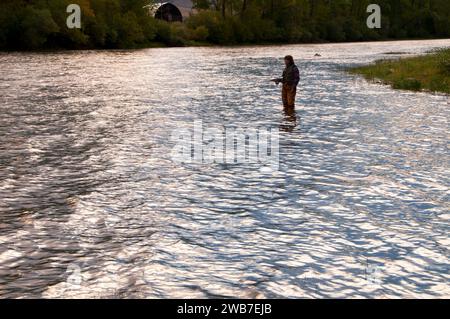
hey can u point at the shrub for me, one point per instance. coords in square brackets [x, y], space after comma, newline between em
[178, 34]
[444, 61]
[163, 31]
[407, 84]
[220, 31]
[200, 33]
[37, 25]
[130, 31]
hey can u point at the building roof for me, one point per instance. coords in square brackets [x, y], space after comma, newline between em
[185, 6]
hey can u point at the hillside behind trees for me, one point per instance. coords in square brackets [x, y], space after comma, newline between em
[41, 24]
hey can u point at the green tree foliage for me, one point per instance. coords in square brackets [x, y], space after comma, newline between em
[38, 24]
[328, 20]
[41, 24]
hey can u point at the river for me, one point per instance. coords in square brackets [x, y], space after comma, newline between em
[93, 205]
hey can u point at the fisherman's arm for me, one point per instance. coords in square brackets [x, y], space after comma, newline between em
[296, 76]
[277, 81]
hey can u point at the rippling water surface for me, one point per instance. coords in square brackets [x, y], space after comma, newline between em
[92, 205]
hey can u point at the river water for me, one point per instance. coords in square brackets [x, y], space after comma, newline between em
[93, 205]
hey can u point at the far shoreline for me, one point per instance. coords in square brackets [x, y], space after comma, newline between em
[159, 45]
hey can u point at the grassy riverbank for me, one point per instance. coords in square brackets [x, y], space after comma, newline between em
[429, 73]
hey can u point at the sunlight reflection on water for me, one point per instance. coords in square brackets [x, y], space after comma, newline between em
[93, 206]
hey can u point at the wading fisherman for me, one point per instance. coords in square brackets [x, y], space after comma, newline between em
[290, 79]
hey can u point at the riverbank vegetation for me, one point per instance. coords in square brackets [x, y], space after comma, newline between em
[430, 72]
[41, 24]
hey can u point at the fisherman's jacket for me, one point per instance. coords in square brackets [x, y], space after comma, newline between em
[291, 75]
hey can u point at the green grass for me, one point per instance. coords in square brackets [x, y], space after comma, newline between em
[424, 73]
